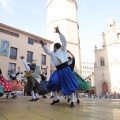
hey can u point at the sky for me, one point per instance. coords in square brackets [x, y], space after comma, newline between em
[31, 16]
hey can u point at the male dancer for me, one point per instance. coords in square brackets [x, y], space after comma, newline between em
[32, 83]
[63, 78]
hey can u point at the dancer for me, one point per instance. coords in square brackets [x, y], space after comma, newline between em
[1, 91]
[16, 85]
[6, 85]
[14, 75]
[43, 82]
[82, 84]
[19, 76]
[63, 78]
[32, 83]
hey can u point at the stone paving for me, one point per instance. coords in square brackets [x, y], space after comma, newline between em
[88, 109]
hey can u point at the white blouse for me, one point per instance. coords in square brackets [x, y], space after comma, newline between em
[60, 55]
[26, 65]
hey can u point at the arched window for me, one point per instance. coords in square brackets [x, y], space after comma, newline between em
[102, 62]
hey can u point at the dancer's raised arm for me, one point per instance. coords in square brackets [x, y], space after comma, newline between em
[46, 49]
[71, 54]
[25, 63]
[62, 38]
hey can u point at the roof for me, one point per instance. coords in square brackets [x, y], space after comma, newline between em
[24, 32]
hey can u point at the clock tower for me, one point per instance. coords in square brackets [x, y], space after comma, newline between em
[63, 13]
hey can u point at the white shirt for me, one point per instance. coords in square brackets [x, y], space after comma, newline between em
[60, 55]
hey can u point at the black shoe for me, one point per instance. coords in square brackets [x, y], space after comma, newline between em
[32, 100]
[52, 96]
[37, 99]
[72, 104]
[78, 101]
[68, 100]
[44, 96]
[14, 96]
[54, 102]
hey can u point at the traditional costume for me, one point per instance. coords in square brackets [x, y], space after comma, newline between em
[32, 83]
[82, 84]
[16, 85]
[1, 91]
[43, 85]
[63, 78]
[6, 85]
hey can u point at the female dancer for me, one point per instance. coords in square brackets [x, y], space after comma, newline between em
[82, 84]
[63, 78]
[6, 85]
[1, 91]
[32, 83]
[16, 85]
[43, 82]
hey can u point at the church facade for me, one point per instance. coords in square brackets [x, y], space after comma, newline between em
[107, 61]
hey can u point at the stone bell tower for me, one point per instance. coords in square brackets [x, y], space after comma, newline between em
[63, 13]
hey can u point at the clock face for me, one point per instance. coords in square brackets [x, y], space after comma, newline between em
[111, 22]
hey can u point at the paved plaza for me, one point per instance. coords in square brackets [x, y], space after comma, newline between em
[89, 109]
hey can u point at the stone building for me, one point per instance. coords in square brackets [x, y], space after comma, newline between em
[87, 69]
[107, 61]
[15, 43]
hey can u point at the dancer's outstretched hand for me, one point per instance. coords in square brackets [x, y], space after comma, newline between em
[22, 57]
[57, 30]
[42, 42]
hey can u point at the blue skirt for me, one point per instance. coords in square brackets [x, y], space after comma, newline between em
[63, 80]
[43, 87]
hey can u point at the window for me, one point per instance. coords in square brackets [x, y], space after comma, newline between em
[102, 62]
[13, 53]
[6, 31]
[29, 56]
[43, 59]
[16, 35]
[12, 33]
[9, 32]
[30, 41]
[12, 67]
[1, 30]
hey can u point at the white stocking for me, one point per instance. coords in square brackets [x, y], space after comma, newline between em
[77, 95]
[55, 96]
[51, 94]
[33, 95]
[72, 97]
[36, 95]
